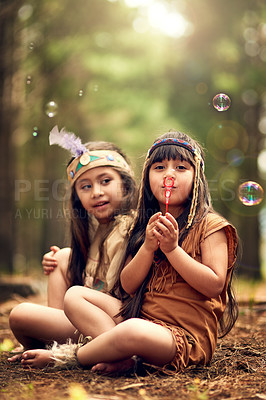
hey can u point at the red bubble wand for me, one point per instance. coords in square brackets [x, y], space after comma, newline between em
[168, 184]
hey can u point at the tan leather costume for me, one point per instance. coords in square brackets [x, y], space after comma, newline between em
[191, 316]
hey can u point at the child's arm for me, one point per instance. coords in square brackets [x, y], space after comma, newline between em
[137, 268]
[207, 277]
[49, 262]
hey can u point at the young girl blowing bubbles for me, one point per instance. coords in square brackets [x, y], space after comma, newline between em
[102, 202]
[176, 281]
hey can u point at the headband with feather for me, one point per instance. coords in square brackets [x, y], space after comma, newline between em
[85, 159]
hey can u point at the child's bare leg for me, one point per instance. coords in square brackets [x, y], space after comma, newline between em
[81, 302]
[34, 326]
[90, 311]
[57, 280]
[93, 313]
[85, 313]
[150, 341]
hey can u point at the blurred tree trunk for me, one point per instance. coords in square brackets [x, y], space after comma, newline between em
[8, 115]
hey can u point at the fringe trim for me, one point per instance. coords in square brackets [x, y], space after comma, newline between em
[179, 362]
[197, 233]
[159, 276]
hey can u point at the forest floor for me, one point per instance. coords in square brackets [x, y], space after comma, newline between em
[237, 371]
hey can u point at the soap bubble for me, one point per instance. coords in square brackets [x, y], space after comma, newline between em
[51, 109]
[31, 46]
[28, 80]
[35, 131]
[221, 102]
[250, 193]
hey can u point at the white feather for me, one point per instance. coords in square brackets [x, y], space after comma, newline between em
[67, 140]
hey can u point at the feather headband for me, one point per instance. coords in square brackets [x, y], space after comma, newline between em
[85, 159]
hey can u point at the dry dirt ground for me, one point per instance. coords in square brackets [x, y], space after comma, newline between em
[237, 371]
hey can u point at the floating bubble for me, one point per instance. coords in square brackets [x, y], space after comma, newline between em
[51, 109]
[35, 132]
[225, 185]
[28, 80]
[31, 46]
[250, 193]
[221, 102]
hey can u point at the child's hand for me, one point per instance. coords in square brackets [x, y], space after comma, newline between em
[166, 231]
[49, 262]
[151, 242]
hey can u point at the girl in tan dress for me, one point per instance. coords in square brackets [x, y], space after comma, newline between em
[175, 286]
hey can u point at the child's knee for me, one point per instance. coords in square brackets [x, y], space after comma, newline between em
[128, 335]
[70, 299]
[62, 257]
[17, 315]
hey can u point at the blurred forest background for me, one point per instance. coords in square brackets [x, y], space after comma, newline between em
[126, 71]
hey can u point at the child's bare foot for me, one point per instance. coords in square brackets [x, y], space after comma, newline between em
[15, 354]
[36, 358]
[114, 368]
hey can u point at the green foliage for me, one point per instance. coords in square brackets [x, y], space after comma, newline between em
[113, 83]
[6, 345]
[195, 392]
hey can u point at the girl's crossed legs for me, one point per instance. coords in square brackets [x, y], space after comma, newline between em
[114, 341]
[35, 326]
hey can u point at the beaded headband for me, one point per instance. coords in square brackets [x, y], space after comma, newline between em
[93, 159]
[85, 159]
[177, 142]
[198, 162]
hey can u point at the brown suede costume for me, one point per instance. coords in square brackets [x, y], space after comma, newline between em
[192, 317]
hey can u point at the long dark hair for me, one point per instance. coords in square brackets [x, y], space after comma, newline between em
[148, 205]
[81, 222]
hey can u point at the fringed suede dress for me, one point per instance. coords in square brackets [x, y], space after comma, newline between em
[101, 272]
[192, 317]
